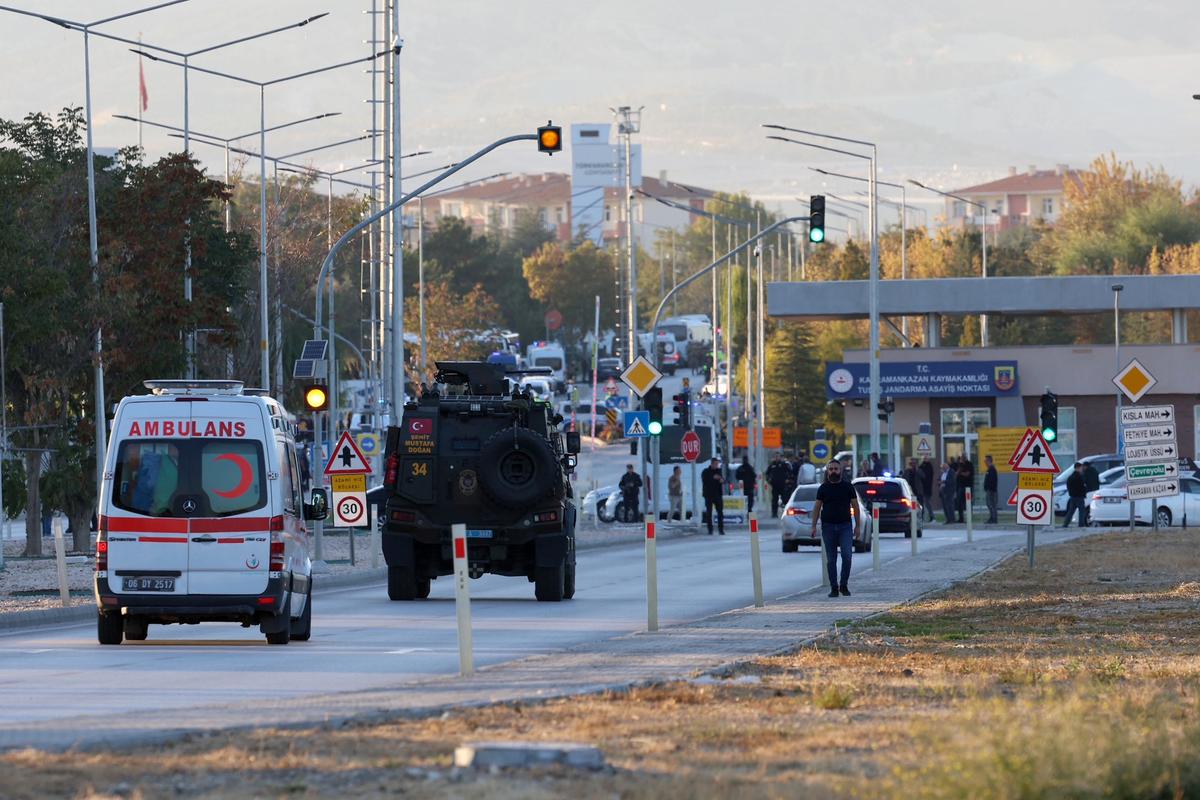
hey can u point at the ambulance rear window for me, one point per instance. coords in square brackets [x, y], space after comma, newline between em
[189, 477]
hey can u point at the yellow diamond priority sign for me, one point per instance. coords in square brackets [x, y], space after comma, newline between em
[1134, 381]
[640, 376]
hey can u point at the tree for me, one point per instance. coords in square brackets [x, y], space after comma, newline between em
[794, 383]
[569, 281]
[452, 321]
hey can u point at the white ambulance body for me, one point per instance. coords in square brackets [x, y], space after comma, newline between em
[202, 514]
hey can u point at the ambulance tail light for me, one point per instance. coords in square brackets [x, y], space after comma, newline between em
[391, 470]
[276, 544]
[101, 552]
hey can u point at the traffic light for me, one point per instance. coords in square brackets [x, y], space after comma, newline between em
[816, 218]
[683, 409]
[652, 401]
[886, 407]
[1049, 415]
[316, 397]
[549, 139]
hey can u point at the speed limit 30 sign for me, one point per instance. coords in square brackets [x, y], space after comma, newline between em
[349, 501]
[1033, 507]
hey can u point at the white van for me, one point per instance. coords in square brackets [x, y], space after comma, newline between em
[202, 515]
[550, 355]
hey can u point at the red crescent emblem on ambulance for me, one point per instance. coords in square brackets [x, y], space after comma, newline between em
[247, 476]
[420, 426]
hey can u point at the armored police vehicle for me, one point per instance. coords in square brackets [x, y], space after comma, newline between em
[478, 449]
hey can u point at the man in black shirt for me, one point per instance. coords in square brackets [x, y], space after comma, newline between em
[835, 498]
[746, 474]
[965, 479]
[712, 486]
[1076, 494]
[630, 486]
[926, 470]
[991, 484]
[778, 475]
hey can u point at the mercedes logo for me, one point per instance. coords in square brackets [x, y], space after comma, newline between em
[189, 506]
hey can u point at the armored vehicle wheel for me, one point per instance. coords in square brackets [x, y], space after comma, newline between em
[403, 584]
[550, 583]
[518, 467]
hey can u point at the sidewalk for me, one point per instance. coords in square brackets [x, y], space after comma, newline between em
[677, 652]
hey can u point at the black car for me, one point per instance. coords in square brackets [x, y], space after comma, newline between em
[894, 499]
[608, 368]
[475, 452]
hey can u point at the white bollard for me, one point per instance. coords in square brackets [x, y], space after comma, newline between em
[824, 561]
[60, 558]
[462, 600]
[373, 515]
[970, 516]
[756, 561]
[912, 525]
[875, 537]
[651, 577]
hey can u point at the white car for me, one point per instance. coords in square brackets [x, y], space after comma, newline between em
[614, 506]
[542, 388]
[202, 514]
[719, 385]
[1110, 506]
[594, 503]
[1110, 477]
[796, 522]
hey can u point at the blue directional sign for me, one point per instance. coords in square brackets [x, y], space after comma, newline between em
[637, 424]
[820, 451]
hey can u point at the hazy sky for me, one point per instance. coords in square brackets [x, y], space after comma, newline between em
[952, 92]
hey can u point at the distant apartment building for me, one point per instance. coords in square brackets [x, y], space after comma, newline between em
[1015, 200]
[493, 206]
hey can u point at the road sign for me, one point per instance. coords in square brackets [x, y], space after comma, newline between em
[818, 449]
[1134, 381]
[1142, 415]
[553, 319]
[1042, 481]
[1150, 452]
[1136, 473]
[994, 442]
[611, 386]
[1035, 456]
[637, 424]
[923, 445]
[640, 376]
[1149, 434]
[1012, 498]
[349, 500]
[1033, 507]
[771, 438]
[1163, 488]
[346, 458]
[690, 447]
[1020, 446]
[368, 443]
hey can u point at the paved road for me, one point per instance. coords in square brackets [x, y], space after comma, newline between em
[363, 641]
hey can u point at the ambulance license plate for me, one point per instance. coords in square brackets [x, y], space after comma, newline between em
[147, 584]
[485, 533]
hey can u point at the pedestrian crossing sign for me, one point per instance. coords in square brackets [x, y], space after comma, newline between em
[637, 424]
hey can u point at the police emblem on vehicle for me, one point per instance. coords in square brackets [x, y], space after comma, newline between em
[468, 481]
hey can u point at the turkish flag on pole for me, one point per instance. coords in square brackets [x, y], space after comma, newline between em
[142, 85]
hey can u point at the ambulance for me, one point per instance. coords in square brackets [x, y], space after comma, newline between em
[202, 514]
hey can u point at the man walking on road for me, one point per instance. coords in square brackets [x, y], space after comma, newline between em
[926, 470]
[749, 478]
[1076, 492]
[991, 484]
[631, 487]
[778, 475]
[834, 499]
[675, 494]
[965, 479]
[712, 486]
[1091, 482]
[947, 486]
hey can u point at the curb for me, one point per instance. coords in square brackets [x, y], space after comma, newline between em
[82, 613]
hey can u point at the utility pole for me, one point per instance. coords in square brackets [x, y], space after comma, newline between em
[398, 373]
[630, 123]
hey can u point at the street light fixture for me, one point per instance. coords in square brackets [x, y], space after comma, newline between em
[983, 318]
[873, 277]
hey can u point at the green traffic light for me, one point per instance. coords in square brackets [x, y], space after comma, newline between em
[816, 234]
[655, 427]
[1049, 434]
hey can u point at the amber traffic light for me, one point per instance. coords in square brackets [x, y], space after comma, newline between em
[316, 398]
[549, 139]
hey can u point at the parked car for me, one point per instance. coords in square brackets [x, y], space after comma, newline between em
[542, 388]
[593, 506]
[608, 368]
[1110, 505]
[796, 521]
[895, 500]
[719, 384]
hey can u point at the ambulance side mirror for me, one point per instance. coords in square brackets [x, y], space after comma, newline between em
[572, 442]
[318, 509]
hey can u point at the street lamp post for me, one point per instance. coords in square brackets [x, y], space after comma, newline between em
[93, 235]
[983, 318]
[873, 282]
[1117, 288]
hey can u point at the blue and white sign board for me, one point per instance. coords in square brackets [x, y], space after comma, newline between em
[820, 451]
[617, 401]
[596, 165]
[368, 443]
[637, 424]
[845, 380]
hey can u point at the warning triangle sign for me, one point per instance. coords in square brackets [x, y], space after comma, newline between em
[1012, 498]
[1035, 456]
[1020, 446]
[635, 428]
[346, 458]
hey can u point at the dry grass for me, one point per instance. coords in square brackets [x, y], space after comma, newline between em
[1078, 679]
